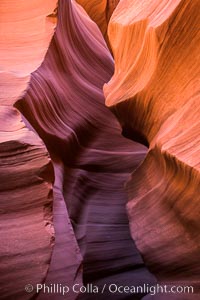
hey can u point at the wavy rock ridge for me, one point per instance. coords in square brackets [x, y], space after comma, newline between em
[100, 12]
[26, 174]
[65, 105]
[152, 87]
[159, 82]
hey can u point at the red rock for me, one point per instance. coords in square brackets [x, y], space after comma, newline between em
[65, 105]
[152, 87]
[154, 93]
[26, 174]
[100, 12]
[27, 234]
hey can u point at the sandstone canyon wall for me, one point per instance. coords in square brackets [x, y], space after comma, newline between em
[99, 147]
[156, 92]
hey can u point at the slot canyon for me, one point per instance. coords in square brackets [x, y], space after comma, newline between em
[99, 149]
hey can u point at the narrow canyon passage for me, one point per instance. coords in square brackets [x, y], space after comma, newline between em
[99, 149]
[65, 105]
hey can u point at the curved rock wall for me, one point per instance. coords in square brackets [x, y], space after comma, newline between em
[100, 12]
[26, 173]
[70, 89]
[155, 91]
[65, 105]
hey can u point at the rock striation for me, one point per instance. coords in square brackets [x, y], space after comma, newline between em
[154, 92]
[26, 173]
[65, 105]
[99, 148]
[100, 12]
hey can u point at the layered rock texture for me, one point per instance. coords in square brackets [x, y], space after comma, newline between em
[99, 156]
[155, 91]
[100, 12]
[65, 105]
[26, 172]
